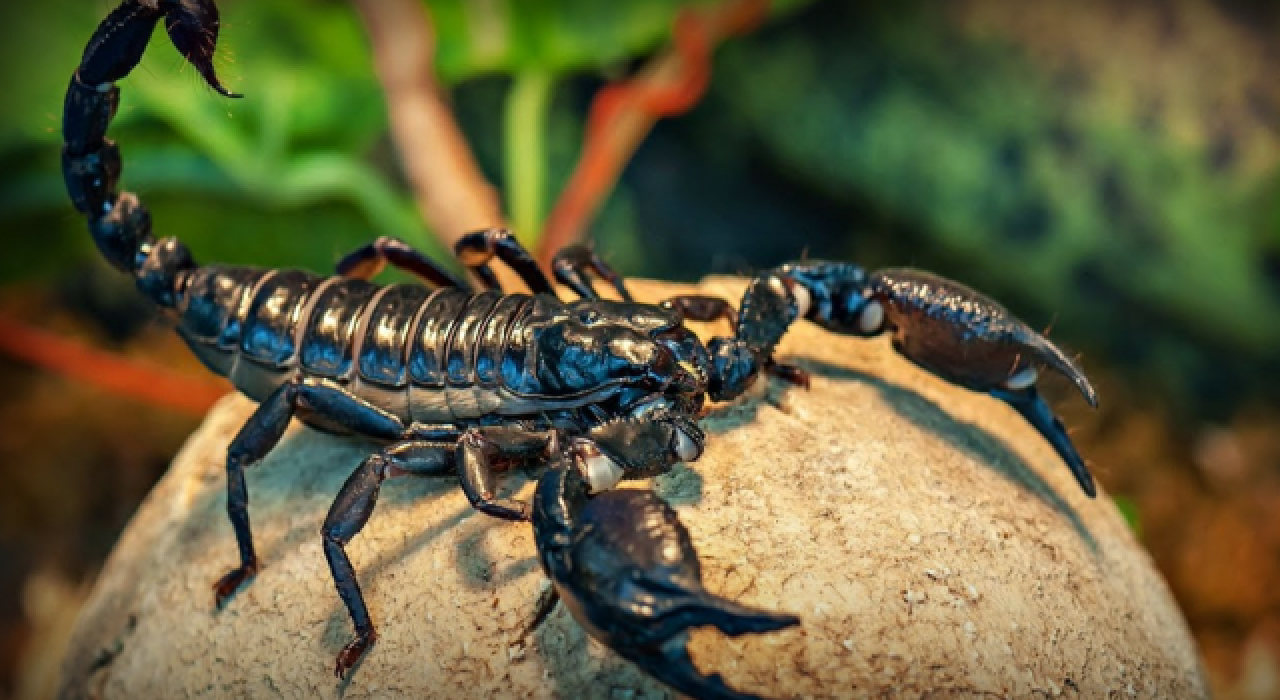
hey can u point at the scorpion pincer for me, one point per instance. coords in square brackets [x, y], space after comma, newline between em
[466, 383]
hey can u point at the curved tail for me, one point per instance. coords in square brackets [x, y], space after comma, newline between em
[91, 165]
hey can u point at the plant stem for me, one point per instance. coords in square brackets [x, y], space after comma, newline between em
[528, 103]
[451, 192]
[623, 113]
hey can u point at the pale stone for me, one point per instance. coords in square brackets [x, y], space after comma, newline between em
[931, 542]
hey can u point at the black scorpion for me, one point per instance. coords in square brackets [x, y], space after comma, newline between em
[470, 383]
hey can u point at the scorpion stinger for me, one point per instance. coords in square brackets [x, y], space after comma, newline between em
[117, 46]
[941, 325]
[119, 223]
[193, 28]
[626, 569]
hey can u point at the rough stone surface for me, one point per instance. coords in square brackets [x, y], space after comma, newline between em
[932, 543]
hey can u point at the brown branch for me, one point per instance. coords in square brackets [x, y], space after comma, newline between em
[452, 194]
[623, 113]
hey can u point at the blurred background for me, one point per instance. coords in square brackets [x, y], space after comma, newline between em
[1107, 167]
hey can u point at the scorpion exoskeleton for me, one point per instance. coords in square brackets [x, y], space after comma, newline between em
[456, 381]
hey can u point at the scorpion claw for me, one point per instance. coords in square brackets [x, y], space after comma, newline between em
[972, 341]
[1052, 355]
[673, 666]
[626, 568]
[1034, 410]
[667, 613]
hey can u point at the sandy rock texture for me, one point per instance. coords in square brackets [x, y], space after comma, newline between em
[932, 543]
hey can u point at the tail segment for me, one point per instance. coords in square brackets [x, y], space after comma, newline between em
[91, 166]
[117, 47]
[193, 28]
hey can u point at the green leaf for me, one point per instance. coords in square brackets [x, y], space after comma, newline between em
[308, 139]
[298, 148]
[1129, 510]
[556, 36]
[1004, 165]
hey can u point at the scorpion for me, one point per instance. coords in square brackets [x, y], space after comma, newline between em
[456, 381]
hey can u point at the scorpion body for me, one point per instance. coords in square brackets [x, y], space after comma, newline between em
[424, 355]
[466, 383]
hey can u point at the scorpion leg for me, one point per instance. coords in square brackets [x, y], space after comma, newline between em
[368, 260]
[263, 431]
[483, 452]
[572, 266]
[348, 515]
[702, 307]
[705, 308]
[476, 456]
[477, 248]
[628, 571]
[418, 457]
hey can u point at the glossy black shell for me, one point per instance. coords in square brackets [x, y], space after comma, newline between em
[424, 354]
[950, 329]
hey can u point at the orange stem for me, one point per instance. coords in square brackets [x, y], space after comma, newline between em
[623, 113]
[145, 382]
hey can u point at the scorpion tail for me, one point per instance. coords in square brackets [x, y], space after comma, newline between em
[193, 27]
[119, 223]
[117, 46]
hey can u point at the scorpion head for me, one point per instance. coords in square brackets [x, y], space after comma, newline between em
[605, 342]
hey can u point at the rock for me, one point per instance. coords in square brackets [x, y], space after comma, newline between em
[930, 541]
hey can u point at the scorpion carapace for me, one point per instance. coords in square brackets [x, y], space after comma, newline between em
[456, 381]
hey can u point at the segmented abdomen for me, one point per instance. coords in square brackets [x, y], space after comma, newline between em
[426, 355]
